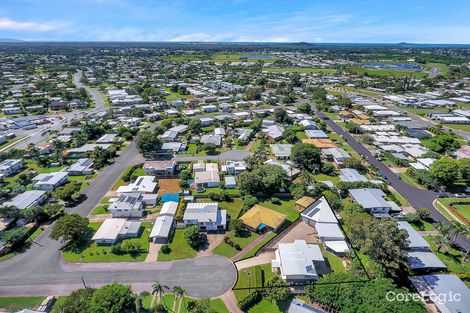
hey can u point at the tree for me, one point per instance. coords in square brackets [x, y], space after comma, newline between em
[446, 171]
[200, 306]
[252, 94]
[149, 144]
[345, 101]
[71, 227]
[14, 235]
[158, 290]
[267, 178]
[179, 295]
[280, 115]
[53, 209]
[464, 166]
[77, 302]
[192, 235]
[350, 293]
[195, 126]
[32, 213]
[237, 226]
[68, 192]
[277, 289]
[113, 298]
[9, 211]
[304, 108]
[290, 135]
[306, 157]
[210, 148]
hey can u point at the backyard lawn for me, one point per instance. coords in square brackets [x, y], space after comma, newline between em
[336, 263]
[14, 304]
[285, 206]
[99, 210]
[180, 249]
[90, 252]
[324, 177]
[229, 251]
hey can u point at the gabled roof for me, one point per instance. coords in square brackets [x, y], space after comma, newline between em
[320, 211]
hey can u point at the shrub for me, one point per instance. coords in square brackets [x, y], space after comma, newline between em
[165, 249]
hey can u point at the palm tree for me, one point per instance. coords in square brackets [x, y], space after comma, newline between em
[158, 290]
[456, 229]
[179, 294]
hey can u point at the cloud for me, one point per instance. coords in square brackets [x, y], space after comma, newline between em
[9, 24]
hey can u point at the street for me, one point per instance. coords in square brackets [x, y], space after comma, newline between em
[418, 198]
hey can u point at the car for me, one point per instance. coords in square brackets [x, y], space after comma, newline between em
[467, 189]
[460, 195]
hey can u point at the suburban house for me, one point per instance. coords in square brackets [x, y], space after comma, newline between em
[160, 168]
[372, 200]
[321, 216]
[10, 166]
[169, 208]
[107, 138]
[205, 215]
[316, 134]
[299, 262]
[351, 175]
[230, 182]
[162, 228]
[128, 205]
[169, 135]
[143, 184]
[27, 199]
[82, 166]
[420, 256]
[50, 181]
[281, 151]
[234, 167]
[207, 178]
[115, 229]
[337, 155]
[443, 284]
[211, 138]
[260, 218]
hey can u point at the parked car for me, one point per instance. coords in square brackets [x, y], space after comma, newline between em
[460, 195]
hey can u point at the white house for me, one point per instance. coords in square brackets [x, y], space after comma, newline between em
[114, 229]
[27, 199]
[160, 168]
[50, 181]
[234, 167]
[162, 228]
[127, 205]
[143, 184]
[83, 166]
[372, 200]
[10, 166]
[206, 215]
[299, 262]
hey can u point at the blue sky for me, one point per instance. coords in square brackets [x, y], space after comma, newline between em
[417, 21]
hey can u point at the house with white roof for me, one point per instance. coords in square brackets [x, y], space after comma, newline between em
[115, 229]
[234, 167]
[27, 199]
[162, 228]
[143, 184]
[299, 262]
[128, 205]
[10, 166]
[50, 181]
[205, 215]
[82, 166]
[372, 200]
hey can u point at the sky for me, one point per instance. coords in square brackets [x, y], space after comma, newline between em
[335, 21]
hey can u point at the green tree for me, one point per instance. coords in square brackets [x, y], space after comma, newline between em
[68, 192]
[14, 235]
[237, 226]
[195, 126]
[277, 289]
[53, 209]
[9, 211]
[192, 235]
[210, 148]
[446, 171]
[77, 302]
[113, 298]
[464, 166]
[71, 227]
[200, 306]
[32, 213]
[158, 290]
[149, 144]
[304, 108]
[306, 157]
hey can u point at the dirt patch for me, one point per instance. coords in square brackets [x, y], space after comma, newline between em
[168, 186]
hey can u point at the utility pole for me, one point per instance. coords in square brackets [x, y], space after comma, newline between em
[83, 281]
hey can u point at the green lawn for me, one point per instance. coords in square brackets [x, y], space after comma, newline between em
[120, 181]
[251, 253]
[175, 96]
[235, 57]
[36, 233]
[192, 147]
[99, 210]
[285, 206]
[306, 70]
[425, 225]
[301, 135]
[230, 192]
[323, 177]
[409, 180]
[336, 263]
[453, 259]
[13, 304]
[90, 252]
[180, 249]
[229, 251]
[35, 167]
[168, 300]
[265, 306]
[255, 276]
[463, 209]
[464, 127]
[446, 214]
[233, 207]
[402, 201]
[385, 73]
[422, 111]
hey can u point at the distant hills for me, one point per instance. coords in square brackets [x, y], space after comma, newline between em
[10, 40]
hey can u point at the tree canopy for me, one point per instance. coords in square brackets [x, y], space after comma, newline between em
[71, 227]
[306, 157]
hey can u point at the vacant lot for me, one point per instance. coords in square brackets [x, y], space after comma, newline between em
[168, 186]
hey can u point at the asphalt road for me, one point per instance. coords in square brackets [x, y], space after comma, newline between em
[94, 92]
[40, 271]
[418, 198]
